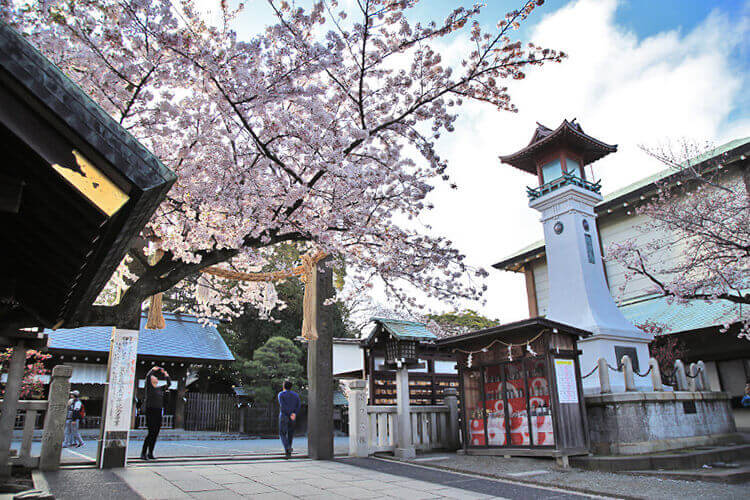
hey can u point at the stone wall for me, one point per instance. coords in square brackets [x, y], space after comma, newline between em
[643, 422]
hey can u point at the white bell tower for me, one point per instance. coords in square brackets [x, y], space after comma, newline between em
[578, 291]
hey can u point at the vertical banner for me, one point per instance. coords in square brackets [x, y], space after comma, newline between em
[118, 406]
[567, 389]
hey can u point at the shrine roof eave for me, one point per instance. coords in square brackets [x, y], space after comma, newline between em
[568, 134]
[530, 324]
[63, 240]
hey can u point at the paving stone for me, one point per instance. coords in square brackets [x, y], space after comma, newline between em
[217, 495]
[371, 484]
[328, 496]
[300, 489]
[276, 495]
[420, 485]
[249, 488]
[407, 493]
[196, 484]
[321, 482]
[354, 492]
[224, 477]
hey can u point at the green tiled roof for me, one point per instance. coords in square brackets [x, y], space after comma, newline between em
[694, 315]
[406, 330]
[339, 399]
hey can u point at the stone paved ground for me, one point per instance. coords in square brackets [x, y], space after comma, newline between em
[281, 479]
[193, 448]
[544, 472]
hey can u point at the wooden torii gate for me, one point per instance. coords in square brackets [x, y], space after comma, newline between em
[317, 328]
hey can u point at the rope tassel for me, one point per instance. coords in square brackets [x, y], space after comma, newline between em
[155, 320]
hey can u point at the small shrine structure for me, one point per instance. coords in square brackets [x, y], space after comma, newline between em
[430, 370]
[521, 390]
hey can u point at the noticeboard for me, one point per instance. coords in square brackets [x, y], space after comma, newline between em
[565, 374]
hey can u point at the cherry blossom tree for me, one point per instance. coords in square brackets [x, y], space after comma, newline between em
[31, 384]
[319, 130]
[703, 216]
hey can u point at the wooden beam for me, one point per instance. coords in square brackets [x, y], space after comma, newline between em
[528, 272]
[11, 190]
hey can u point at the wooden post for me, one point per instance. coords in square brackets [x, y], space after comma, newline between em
[114, 430]
[320, 366]
[10, 404]
[404, 446]
[179, 404]
[54, 421]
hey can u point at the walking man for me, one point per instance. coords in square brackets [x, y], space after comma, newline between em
[154, 406]
[289, 405]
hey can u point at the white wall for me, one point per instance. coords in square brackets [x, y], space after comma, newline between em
[618, 227]
[346, 358]
[541, 283]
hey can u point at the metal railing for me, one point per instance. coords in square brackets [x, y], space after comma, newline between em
[534, 193]
[167, 421]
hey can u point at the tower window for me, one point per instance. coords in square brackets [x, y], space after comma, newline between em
[573, 167]
[552, 170]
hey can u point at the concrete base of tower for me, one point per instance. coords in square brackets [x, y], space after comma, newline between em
[613, 348]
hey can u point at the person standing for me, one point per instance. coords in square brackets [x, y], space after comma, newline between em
[68, 423]
[73, 420]
[154, 407]
[289, 405]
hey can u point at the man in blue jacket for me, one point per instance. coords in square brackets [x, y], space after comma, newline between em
[289, 405]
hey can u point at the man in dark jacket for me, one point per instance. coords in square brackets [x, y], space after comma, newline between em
[154, 408]
[289, 405]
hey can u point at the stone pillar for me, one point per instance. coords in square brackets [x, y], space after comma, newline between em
[179, 403]
[320, 366]
[404, 446]
[679, 375]
[605, 386]
[705, 385]
[450, 396]
[693, 379]
[627, 373]
[358, 419]
[655, 375]
[10, 404]
[54, 421]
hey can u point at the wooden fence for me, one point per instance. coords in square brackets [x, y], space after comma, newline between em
[223, 413]
[211, 412]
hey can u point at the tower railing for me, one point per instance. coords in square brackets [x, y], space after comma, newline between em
[566, 179]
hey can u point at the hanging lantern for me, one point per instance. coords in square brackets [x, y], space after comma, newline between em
[405, 350]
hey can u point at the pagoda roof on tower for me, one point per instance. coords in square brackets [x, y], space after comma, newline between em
[568, 133]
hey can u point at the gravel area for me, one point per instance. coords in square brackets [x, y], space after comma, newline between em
[545, 472]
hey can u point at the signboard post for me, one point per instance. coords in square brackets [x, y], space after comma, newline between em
[118, 399]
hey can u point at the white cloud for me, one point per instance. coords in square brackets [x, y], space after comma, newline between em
[622, 90]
